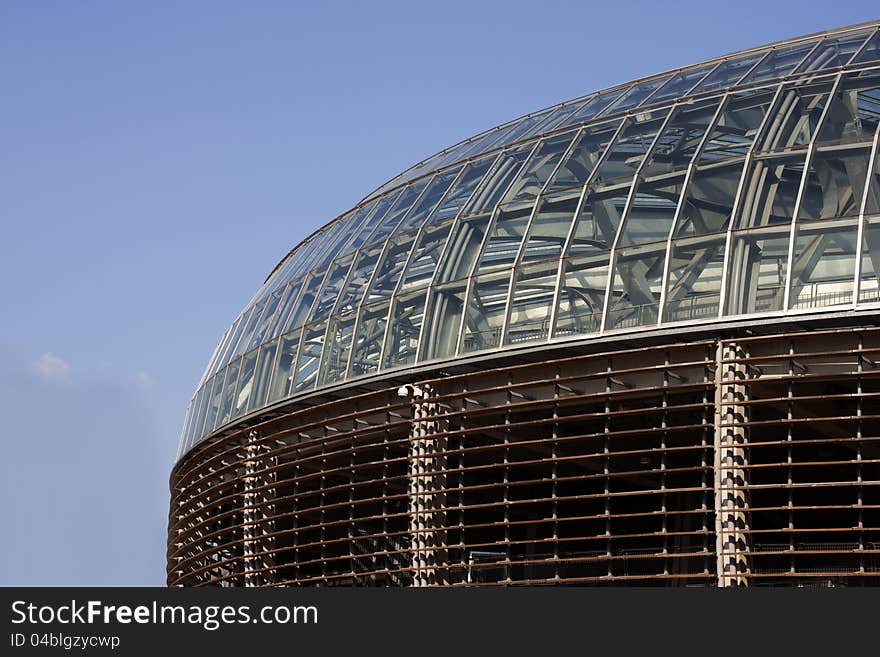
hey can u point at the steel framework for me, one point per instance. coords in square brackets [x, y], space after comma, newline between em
[736, 459]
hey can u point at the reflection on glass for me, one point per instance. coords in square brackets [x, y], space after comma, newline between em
[757, 270]
[282, 375]
[693, 290]
[407, 314]
[368, 340]
[824, 264]
[309, 358]
[486, 307]
[835, 184]
[635, 286]
[582, 295]
[334, 363]
[532, 302]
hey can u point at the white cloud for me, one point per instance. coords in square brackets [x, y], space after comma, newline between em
[144, 379]
[51, 367]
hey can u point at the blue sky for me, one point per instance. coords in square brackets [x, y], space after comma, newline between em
[157, 159]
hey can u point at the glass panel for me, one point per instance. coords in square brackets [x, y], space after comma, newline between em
[523, 128]
[291, 294]
[223, 414]
[429, 200]
[557, 117]
[637, 94]
[708, 201]
[582, 295]
[250, 326]
[245, 383]
[263, 375]
[779, 62]
[695, 269]
[379, 210]
[197, 417]
[795, 117]
[498, 179]
[678, 143]
[461, 190]
[407, 314]
[824, 264]
[504, 239]
[853, 112]
[869, 285]
[835, 184]
[488, 141]
[871, 52]
[282, 376]
[463, 249]
[550, 226]
[232, 338]
[538, 169]
[833, 52]
[443, 310]
[655, 200]
[304, 302]
[584, 157]
[757, 269]
[404, 203]
[332, 285]
[267, 319]
[532, 302]
[214, 402]
[770, 190]
[598, 220]
[652, 210]
[309, 358]
[728, 72]
[681, 83]
[485, 311]
[341, 237]
[595, 106]
[359, 277]
[628, 151]
[736, 127]
[390, 267]
[335, 362]
[425, 257]
[636, 286]
[368, 341]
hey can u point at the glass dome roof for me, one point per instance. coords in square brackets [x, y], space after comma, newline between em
[745, 185]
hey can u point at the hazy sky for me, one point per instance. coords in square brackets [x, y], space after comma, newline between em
[158, 158]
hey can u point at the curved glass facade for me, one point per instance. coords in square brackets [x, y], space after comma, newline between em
[748, 185]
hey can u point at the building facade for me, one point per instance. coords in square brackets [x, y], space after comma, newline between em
[628, 339]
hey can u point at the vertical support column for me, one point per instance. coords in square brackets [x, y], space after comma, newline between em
[427, 485]
[731, 479]
[259, 492]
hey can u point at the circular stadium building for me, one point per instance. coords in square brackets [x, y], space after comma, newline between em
[630, 339]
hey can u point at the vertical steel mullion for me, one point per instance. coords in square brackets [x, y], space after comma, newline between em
[585, 189]
[751, 68]
[747, 162]
[857, 287]
[490, 226]
[862, 47]
[692, 165]
[702, 78]
[420, 232]
[331, 315]
[454, 222]
[576, 134]
[634, 183]
[808, 161]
